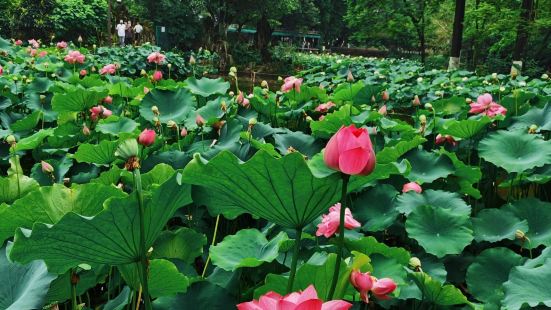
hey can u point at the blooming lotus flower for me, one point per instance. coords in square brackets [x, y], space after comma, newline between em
[325, 107]
[18, 42]
[34, 43]
[108, 69]
[290, 83]
[412, 186]
[42, 54]
[305, 300]
[157, 76]
[485, 105]
[99, 111]
[33, 52]
[242, 100]
[83, 72]
[330, 222]
[363, 282]
[199, 120]
[147, 137]
[74, 57]
[156, 57]
[108, 100]
[446, 138]
[61, 45]
[350, 151]
[383, 287]
[383, 110]
[46, 167]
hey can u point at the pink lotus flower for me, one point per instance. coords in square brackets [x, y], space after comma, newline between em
[330, 222]
[42, 54]
[446, 138]
[46, 167]
[350, 151]
[385, 96]
[157, 76]
[242, 100]
[485, 105]
[325, 107]
[18, 42]
[412, 186]
[74, 57]
[1, 70]
[99, 111]
[108, 69]
[383, 287]
[34, 43]
[290, 83]
[156, 57]
[383, 110]
[108, 100]
[33, 52]
[321, 118]
[147, 137]
[61, 45]
[83, 72]
[305, 300]
[199, 120]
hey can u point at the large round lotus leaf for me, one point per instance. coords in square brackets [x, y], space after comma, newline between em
[433, 292]
[99, 154]
[465, 129]
[247, 248]
[115, 125]
[408, 202]
[206, 87]
[449, 106]
[184, 244]
[23, 286]
[427, 167]
[488, 272]
[439, 231]
[515, 151]
[538, 215]
[305, 144]
[77, 100]
[529, 283]
[535, 116]
[494, 225]
[375, 208]
[173, 105]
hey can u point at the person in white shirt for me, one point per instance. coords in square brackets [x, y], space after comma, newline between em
[121, 28]
[138, 32]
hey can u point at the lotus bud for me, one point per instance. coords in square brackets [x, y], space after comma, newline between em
[309, 119]
[183, 132]
[80, 39]
[127, 149]
[264, 84]
[143, 72]
[169, 66]
[10, 139]
[349, 77]
[42, 97]
[171, 124]
[428, 106]
[373, 99]
[223, 106]
[94, 46]
[46, 167]
[544, 76]
[423, 119]
[94, 69]
[199, 120]
[232, 74]
[156, 121]
[85, 130]
[416, 102]
[494, 76]
[415, 263]
[191, 60]
[108, 100]
[468, 100]
[385, 96]
[83, 72]
[155, 110]
[533, 128]
[231, 93]
[279, 78]
[233, 69]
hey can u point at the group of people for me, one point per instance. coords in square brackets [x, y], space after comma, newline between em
[128, 34]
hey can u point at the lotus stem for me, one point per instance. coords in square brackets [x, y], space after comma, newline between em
[340, 240]
[143, 266]
[294, 261]
[212, 244]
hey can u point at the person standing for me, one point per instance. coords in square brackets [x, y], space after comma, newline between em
[121, 30]
[129, 34]
[138, 33]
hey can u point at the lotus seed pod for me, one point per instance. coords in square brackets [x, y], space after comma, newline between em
[423, 119]
[428, 106]
[533, 128]
[264, 84]
[155, 110]
[494, 76]
[169, 66]
[415, 263]
[231, 93]
[544, 76]
[127, 149]
[520, 235]
[10, 139]
[233, 69]
[468, 100]
[171, 124]
[252, 122]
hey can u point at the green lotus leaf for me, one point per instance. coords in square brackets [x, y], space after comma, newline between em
[332, 122]
[23, 286]
[348, 91]
[398, 126]
[465, 129]
[111, 237]
[49, 204]
[99, 154]
[119, 302]
[488, 272]
[518, 102]
[538, 215]
[466, 175]
[375, 208]
[10, 191]
[158, 175]
[515, 151]
[33, 141]
[60, 288]
[173, 105]
[381, 172]
[452, 202]
[529, 283]
[164, 279]
[247, 248]
[426, 167]
[438, 231]
[366, 93]
[435, 293]
[283, 191]
[27, 123]
[494, 225]
[184, 244]
[211, 112]
[535, 116]
[200, 295]
[370, 245]
[297, 140]
[394, 149]
[77, 100]
[115, 125]
[206, 87]
[448, 106]
[124, 90]
[61, 167]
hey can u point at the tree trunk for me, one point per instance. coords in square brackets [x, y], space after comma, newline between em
[109, 22]
[263, 37]
[526, 12]
[457, 36]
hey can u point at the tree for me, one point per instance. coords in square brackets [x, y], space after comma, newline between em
[526, 17]
[32, 18]
[457, 36]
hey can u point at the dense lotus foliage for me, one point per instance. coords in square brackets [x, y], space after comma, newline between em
[128, 179]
